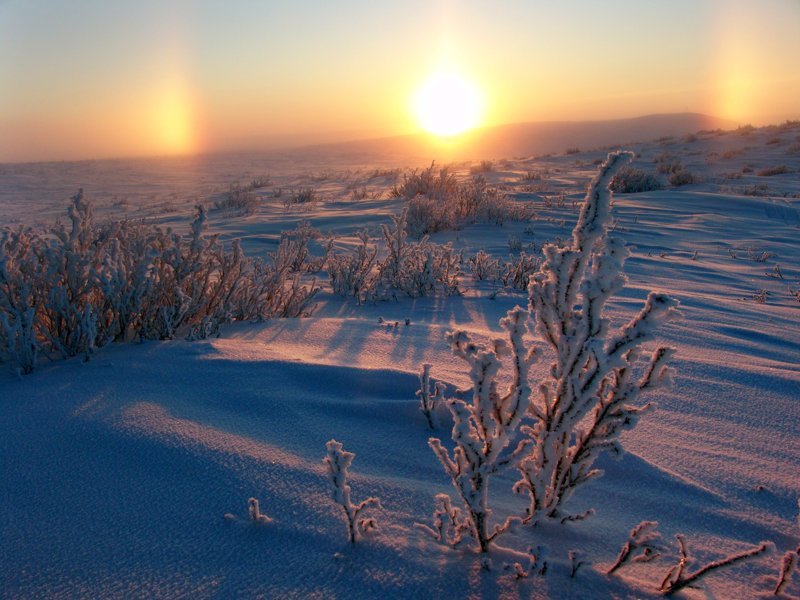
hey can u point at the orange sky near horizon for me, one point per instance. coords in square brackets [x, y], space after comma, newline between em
[93, 80]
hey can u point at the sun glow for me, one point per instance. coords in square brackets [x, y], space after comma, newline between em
[447, 104]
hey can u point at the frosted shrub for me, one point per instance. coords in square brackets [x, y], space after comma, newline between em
[303, 196]
[351, 274]
[292, 251]
[415, 268]
[429, 398]
[78, 288]
[337, 465]
[640, 546]
[255, 514]
[632, 181]
[239, 200]
[426, 182]
[428, 215]
[484, 267]
[789, 564]
[586, 401]
[587, 397]
[517, 272]
[485, 428]
[19, 296]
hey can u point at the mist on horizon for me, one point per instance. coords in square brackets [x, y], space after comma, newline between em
[94, 80]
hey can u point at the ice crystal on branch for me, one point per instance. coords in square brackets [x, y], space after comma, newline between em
[642, 538]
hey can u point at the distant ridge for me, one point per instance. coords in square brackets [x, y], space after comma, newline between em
[528, 139]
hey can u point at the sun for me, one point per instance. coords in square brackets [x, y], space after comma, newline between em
[447, 104]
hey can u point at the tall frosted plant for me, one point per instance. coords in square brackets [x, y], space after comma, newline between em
[587, 398]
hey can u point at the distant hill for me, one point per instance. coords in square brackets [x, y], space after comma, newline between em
[526, 139]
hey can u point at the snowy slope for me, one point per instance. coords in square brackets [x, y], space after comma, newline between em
[116, 475]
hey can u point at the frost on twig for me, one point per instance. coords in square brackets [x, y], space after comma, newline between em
[789, 563]
[575, 562]
[338, 463]
[589, 396]
[676, 579]
[429, 399]
[450, 526]
[255, 514]
[485, 428]
[639, 547]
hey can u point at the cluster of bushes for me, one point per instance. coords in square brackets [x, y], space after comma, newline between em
[67, 291]
[677, 174]
[514, 273]
[438, 202]
[416, 269]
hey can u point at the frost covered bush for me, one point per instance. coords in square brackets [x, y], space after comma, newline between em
[337, 465]
[426, 182]
[589, 393]
[640, 546]
[484, 267]
[516, 273]
[301, 196]
[681, 177]
[239, 200]
[485, 428]
[351, 274]
[440, 202]
[69, 290]
[429, 398]
[630, 180]
[415, 268]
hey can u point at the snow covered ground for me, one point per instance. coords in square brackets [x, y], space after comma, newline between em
[116, 474]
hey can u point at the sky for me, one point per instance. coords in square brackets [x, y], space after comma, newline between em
[95, 79]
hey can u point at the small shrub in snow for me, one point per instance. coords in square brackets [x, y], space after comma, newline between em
[789, 564]
[639, 547]
[426, 182]
[415, 268]
[303, 196]
[429, 398]
[255, 514]
[485, 166]
[450, 526]
[516, 273]
[677, 579]
[351, 274]
[238, 200]
[771, 171]
[630, 180]
[681, 177]
[484, 267]
[337, 464]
